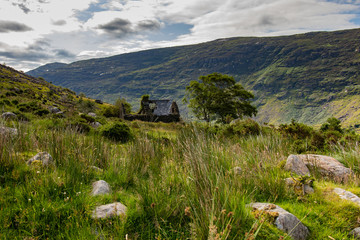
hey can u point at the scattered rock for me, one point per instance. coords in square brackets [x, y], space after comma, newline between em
[109, 210]
[60, 114]
[304, 188]
[355, 233]
[96, 169]
[12, 132]
[285, 221]
[343, 194]
[91, 114]
[43, 157]
[100, 187]
[327, 166]
[8, 116]
[95, 124]
[237, 170]
[54, 109]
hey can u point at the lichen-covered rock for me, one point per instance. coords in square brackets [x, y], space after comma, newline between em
[109, 210]
[285, 221]
[100, 187]
[295, 164]
[12, 132]
[326, 166]
[8, 116]
[355, 233]
[43, 157]
[346, 195]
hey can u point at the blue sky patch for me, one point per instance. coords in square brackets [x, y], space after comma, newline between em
[171, 32]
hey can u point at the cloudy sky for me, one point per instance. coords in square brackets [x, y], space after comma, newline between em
[36, 32]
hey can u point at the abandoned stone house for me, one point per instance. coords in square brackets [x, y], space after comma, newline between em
[156, 111]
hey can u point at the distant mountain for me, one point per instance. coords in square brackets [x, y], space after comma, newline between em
[308, 77]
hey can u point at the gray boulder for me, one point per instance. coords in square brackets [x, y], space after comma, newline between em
[43, 157]
[95, 124]
[285, 221]
[109, 210]
[346, 195]
[326, 166]
[54, 109]
[100, 187]
[8, 116]
[96, 169]
[91, 114]
[12, 132]
[355, 233]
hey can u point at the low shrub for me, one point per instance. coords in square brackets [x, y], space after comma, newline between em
[296, 130]
[88, 118]
[118, 131]
[28, 107]
[80, 125]
[5, 102]
[41, 112]
[243, 128]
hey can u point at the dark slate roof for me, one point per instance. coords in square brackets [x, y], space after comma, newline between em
[163, 107]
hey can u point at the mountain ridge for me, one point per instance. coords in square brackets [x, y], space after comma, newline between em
[308, 77]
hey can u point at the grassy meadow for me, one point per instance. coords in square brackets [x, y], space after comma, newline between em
[177, 181]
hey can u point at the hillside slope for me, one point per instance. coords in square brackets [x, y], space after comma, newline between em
[32, 98]
[308, 77]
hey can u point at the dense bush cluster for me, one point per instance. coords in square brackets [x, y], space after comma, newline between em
[306, 138]
[117, 131]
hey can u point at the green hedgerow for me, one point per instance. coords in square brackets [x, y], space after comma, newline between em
[117, 131]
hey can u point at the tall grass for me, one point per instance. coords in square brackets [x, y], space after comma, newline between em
[178, 187]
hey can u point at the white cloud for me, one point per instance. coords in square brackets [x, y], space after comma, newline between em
[97, 32]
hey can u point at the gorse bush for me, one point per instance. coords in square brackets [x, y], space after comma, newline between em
[117, 131]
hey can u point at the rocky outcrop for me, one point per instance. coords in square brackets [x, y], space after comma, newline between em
[285, 221]
[100, 187]
[42, 157]
[346, 195]
[326, 166]
[109, 210]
